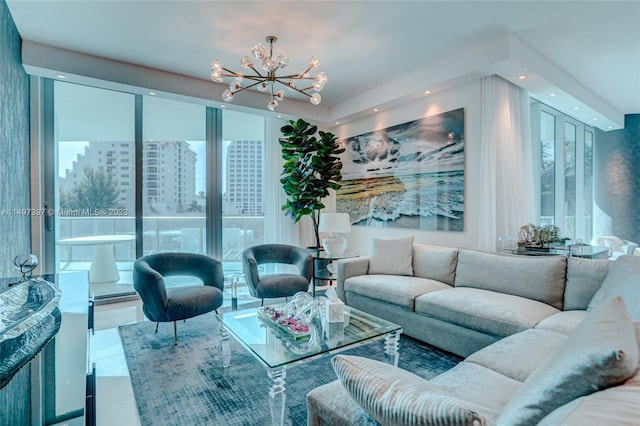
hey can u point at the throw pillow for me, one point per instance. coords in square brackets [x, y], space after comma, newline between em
[623, 279]
[392, 257]
[393, 396]
[601, 352]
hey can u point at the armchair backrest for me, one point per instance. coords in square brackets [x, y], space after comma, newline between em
[261, 254]
[149, 272]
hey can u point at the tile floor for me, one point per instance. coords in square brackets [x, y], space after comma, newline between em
[115, 403]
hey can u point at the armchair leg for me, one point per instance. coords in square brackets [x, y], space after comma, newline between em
[157, 324]
[261, 302]
[175, 333]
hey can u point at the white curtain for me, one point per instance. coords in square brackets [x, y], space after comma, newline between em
[278, 228]
[506, 162]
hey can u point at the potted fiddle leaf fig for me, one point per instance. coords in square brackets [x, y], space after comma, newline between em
[311, 168]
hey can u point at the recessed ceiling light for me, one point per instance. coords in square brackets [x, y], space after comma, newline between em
[610, 127]
[278, 116]
[223, 106]
[152, 93]
[595, 118]
[427, 92]
[576, 108]
[337, 122]
[522, 77]
[552, 94]
[376, 110]
[60, 76]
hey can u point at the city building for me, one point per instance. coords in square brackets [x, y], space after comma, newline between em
[245, 178]
[169, 177]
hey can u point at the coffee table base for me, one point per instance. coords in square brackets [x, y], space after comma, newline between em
[278, 375]
[277, 394]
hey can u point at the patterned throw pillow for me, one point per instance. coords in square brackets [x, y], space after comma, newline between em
[394, 396]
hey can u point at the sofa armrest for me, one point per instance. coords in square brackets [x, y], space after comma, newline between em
[350, 268]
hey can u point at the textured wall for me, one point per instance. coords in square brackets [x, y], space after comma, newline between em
[15, 233]
[15, 230]
[617, 181]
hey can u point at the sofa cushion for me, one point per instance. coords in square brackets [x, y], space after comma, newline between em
[600, 353]
[622, 280]
[485, 311]
[614, 406]
[518, 355]
[584, 278]
[540, 278]
[392, 256]
[397, 290]
[435, 263]
[563, 322]
[394, 396]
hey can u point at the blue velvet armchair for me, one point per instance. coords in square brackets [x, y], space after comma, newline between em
[162, 304]
[276, 285]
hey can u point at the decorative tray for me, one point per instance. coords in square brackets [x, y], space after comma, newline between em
[294, 328]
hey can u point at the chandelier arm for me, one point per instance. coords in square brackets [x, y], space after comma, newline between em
[245, 88]
[237, 74]
[255, 78]
[296, 77]
[294, 88]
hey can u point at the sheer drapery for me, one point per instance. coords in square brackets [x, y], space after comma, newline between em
[279, 228]
[506, 171]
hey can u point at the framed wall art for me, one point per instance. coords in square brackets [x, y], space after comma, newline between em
[410, 175]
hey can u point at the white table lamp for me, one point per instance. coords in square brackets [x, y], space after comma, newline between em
[334, 224]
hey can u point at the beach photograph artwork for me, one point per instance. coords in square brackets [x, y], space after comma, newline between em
[410, 175]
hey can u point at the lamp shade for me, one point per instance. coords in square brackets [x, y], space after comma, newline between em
[336, 223]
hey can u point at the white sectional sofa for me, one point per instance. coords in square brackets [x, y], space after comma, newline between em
[463, 300]
[524, 323]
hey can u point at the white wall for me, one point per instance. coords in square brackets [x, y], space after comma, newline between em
[466, 96]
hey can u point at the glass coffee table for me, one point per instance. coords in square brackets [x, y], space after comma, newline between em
[277, 350]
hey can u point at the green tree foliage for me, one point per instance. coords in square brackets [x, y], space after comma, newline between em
[98, 190]
[311, 168]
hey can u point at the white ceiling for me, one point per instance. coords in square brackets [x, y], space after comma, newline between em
[375, 53]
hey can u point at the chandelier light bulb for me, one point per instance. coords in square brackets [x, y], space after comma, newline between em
[320, 81]
[282, 61]
[217, 76]
[216, 65]
[267, 64]
[247, 62]
[315, 99]
[314, 63]
[264, 82]
[258, 51]
[227, 96]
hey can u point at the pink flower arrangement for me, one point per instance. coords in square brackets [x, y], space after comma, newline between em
[287, 322]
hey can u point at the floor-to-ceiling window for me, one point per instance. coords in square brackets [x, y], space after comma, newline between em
[563, 151]
[243, 185]
[174, 171]
[94, 181]
[134, 175]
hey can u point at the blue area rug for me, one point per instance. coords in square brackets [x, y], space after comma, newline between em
[187, 385]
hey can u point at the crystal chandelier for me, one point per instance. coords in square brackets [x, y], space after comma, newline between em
[267, 81]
